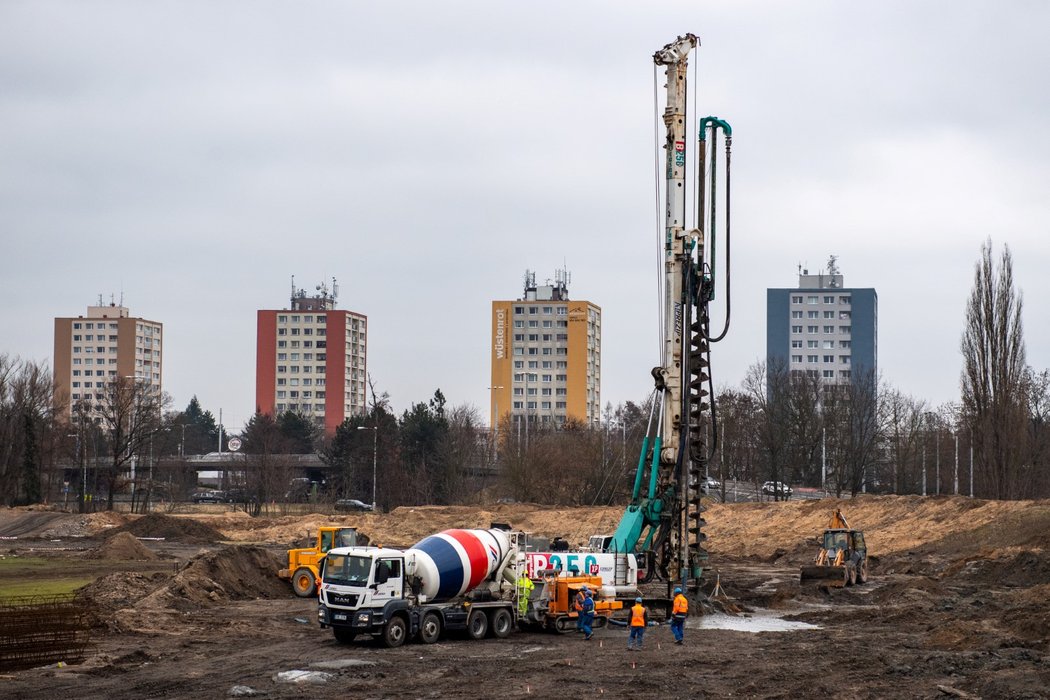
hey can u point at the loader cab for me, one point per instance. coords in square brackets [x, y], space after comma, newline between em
[845, 540]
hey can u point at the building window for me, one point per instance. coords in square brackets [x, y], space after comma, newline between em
[844, 300]
[812, 343]
[829, 374]
[519, 309]
[811, 329]
[845, 344]
[829, 358]
[844, 315]
[813, 299]
[812, 359]
[280, 319]
[844, 359]
[796, 314]
[519, 324]
[796, 329]
[796, 299]
[829, 344]
[812, 314]
[548, 310]
[844, 373]
[844, 330]
[796, 358]
[796, 343]
[829, 300]
[829, 314]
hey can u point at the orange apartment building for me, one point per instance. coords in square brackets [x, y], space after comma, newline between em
[311, 358]
[546, 356]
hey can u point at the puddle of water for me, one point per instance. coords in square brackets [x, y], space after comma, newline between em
[753, 623]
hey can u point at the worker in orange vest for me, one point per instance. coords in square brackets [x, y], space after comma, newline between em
[639, 619]
[678, 614]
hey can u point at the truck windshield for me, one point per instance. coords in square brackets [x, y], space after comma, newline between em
[347, 570]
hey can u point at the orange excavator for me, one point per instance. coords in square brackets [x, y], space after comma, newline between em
[843, 556]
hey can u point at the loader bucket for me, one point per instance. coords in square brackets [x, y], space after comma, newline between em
[835, 576]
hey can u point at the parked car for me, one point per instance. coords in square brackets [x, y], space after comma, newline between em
[352, 504]
[773, 487]
[210, 497]
[711, 484]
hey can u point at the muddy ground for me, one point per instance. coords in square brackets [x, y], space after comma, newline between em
[957, 607]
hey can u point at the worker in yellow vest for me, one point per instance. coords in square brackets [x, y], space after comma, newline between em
[639, 619]
[679, 612]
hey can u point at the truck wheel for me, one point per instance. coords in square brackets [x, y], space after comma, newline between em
[343, 635]
[502, 621]
[430, 628]
[851, 575]
[395, 632]
[304, 583]
[862, 572]
[477, 624]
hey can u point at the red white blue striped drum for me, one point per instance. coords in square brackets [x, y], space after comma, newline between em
[456, 561]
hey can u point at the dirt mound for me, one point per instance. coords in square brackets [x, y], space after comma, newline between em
[237, 572]
[121, 590]
[1028, 568]
[179, 529]
[122, 545]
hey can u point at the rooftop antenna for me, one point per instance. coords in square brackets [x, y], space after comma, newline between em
[833, 268]
[335, 292]
[293, 286]
[100, 299]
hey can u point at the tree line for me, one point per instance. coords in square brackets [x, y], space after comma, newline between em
[778, 425]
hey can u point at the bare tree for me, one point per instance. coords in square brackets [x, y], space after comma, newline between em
[993, 379]
[903, 417]
[130, 414]
[851, 414]
[29, 431]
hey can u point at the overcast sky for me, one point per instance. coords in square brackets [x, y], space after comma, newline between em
[193, 156]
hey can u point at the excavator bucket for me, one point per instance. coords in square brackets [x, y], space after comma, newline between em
[834, 576]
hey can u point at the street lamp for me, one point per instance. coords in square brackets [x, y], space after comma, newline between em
[375, 456]
[83, 475]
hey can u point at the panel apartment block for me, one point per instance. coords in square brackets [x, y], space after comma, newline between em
[311, 358]
[823, 328]
[546, 356]
[106, 343]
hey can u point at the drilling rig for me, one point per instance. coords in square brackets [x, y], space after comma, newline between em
[664, 522]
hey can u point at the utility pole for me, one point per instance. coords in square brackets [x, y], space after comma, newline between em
[971, 462]
[956, 460]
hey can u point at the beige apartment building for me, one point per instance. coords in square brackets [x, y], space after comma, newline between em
[104, 344]
[546, 356]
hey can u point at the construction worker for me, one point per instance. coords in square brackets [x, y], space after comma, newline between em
[587, 615]
[525, 586]
[639, 619]
[577, 605]
[679, 612]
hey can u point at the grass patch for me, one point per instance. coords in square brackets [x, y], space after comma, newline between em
[22, 576]
[57, 586]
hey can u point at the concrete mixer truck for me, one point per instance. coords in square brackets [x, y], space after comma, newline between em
[454, 580]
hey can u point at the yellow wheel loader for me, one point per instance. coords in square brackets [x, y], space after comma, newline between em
[302, 562]
[843, 556]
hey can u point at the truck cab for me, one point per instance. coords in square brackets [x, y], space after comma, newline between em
[361, 590]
